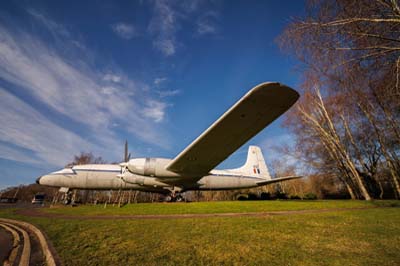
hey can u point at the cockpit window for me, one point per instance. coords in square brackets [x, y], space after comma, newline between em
[64, 171]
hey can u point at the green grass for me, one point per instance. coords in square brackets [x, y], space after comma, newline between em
[214, 207]
[353, 237]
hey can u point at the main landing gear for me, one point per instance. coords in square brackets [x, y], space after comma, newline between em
[174, 198]
[175, 195]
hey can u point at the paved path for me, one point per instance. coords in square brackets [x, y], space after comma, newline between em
[25, 245]
[41, 213]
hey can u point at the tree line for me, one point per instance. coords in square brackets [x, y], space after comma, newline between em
[347, 121]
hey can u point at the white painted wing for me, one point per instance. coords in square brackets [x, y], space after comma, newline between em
[253, 112]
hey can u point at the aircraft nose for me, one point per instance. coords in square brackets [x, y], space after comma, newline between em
[38, 180]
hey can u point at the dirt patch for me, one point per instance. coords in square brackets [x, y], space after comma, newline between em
[40, 213]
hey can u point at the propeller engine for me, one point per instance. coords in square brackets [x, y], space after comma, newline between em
[149, 167]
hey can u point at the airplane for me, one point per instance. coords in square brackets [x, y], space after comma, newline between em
[193, 168]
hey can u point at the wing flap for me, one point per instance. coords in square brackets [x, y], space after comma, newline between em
[253, 112]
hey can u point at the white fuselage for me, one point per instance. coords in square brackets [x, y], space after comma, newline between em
[105, 177]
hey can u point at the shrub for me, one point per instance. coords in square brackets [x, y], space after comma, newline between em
[310, 196]
[265, 196]
[281, 195]
[242, 198]
[252, 196]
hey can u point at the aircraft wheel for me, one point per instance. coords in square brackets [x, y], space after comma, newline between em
[179, 198]
[67, 201]
[168, 199]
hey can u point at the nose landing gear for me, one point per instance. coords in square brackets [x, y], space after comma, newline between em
[68, 197]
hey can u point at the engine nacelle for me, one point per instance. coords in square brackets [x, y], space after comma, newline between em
[142, 180]
[133, 179]
[136, 166]
[153, 167]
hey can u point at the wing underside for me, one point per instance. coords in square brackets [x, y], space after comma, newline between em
[253, 112]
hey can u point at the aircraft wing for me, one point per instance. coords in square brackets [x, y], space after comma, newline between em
[253, 112]
[279, 179]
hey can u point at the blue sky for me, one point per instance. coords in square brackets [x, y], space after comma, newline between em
[86, 75]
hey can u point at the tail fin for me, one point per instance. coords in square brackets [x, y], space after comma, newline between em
[255, 164]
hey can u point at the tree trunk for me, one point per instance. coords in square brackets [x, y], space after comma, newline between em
[389, 161]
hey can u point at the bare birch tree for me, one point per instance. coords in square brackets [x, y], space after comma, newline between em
[350, 50]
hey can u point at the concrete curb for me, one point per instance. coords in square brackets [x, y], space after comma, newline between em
[49, 258]
[15, 247]
[26, 250]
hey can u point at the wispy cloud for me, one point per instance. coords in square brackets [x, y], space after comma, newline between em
[124, 30]
[168, 93]
[112, 77]
[159, 81]
[59, 32]
[163, 26]
[206, 23]
[13, 154]
[161, 85]
[71, 87]
[28, 129]
[166, 46]
[51, 25]
[171, 16]
[155, 110]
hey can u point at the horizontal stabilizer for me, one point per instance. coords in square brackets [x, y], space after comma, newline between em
[279, 179]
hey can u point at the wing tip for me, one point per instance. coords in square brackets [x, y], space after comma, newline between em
[270, 85]
[281, 91]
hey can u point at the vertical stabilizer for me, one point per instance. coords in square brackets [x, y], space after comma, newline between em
[255, 164]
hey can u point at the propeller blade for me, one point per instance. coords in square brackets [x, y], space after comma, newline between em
[124, 165]
[126, 151]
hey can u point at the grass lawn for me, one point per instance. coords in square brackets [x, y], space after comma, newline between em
[216, 207]
[353, 237]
